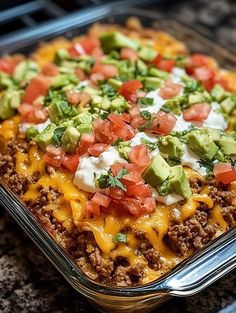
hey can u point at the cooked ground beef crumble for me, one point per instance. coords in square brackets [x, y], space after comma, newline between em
[190, 235]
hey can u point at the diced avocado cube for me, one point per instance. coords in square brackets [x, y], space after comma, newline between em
[218, 93]
[116, 40]
[61, 55]
[171, 146]
[179, 182]
[6, 110]
[157, 73]
[63, 80]
[142, 67]
[5, 81]
[227, 105]
[45, 138]
[202, 144]
[124, 149]
[157, 172]
[119, 104]
[115, 83]
[195, 98]
[212, 133]
[31, 132]
[15, 98]
[70, 139]
[26, 70]
[147, 54]
[90, 90]
[228, 146]
[55, 112]
[152, 82]
[84, 128]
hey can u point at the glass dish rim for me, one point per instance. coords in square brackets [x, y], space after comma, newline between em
[70, 270]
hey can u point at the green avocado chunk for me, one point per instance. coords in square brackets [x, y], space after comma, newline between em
[218, 93]
[25, 71]
[171, 146]
[147, 54]
[178, 181]
[70, 139]
[45, 138]
[227, 145]
[6, 110]
[202, 144]
[227, 105]
[152, 82]
[116, 40]
[157, 172]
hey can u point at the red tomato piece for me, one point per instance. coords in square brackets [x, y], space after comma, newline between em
[50, 69]
[89, 44]
[128, 89]
[92, 208]
[125, 117]
[116, 119]
[116, 193]
[134, 206]
[71, 162]
[80, 74]
[38, 86]
[86, 141]
[164, 64]
[139, 190]
[33, 113]
[8, 64]
[197, 112]
[139, 155]
[53, 150]
[128, 54]
[163, 123]
[97, 149]
[107, 70]
[224, 173]
[149, 204]
[77, 50]
[101, 199]
[170, 90]
[132, 178]
[203, 73]
[54, 160]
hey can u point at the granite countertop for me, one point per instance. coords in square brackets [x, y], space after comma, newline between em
[30, 284]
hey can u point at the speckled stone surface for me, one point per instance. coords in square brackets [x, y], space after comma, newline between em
[30, 284]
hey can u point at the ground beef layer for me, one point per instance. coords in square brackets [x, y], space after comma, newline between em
[182, 238]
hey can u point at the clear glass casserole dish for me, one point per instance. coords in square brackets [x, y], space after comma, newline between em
[191, 276]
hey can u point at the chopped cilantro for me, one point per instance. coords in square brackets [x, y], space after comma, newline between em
[207, 165]
[109, 180]
[107, 90]
[116, 142]
[58, 132]
[151, 145]
[120, 238]
[145, 101]
[146, 115]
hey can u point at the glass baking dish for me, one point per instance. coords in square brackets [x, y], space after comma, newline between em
[191, 276]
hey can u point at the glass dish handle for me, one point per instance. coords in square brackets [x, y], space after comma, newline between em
[198, 272]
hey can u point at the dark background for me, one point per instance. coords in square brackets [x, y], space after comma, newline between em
[28, 282]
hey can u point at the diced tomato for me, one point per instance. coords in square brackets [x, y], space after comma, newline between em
[107, 70]
[125, 117]
[116, 193]
[50, 69]
[92, 207]
[97, 53]
[116, 119]
[149, 204]
[202, 73]
[164, 64]
[101, 199]
[134, 206]
[128, 54]
[224, 173]
[197, 60]
[53, 150]
[129, 89]
[54, 160]
[197, 112]
[33, 113]
[89, 44]
[78, 98]
[71, 162]
[139, 155]
[139, 190]
[8, 64]
[77, 50]
[132, 178]
[38, 86]
[163, 123]
[107, 132]
[170, 90]
[80, 74]
[86, 141]
[97, 149]
[96, 77]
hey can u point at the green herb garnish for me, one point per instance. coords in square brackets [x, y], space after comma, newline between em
[207, 165]
[151, 145]
[120, 238]
[58, 132]
[109, 180]
[145, 101]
